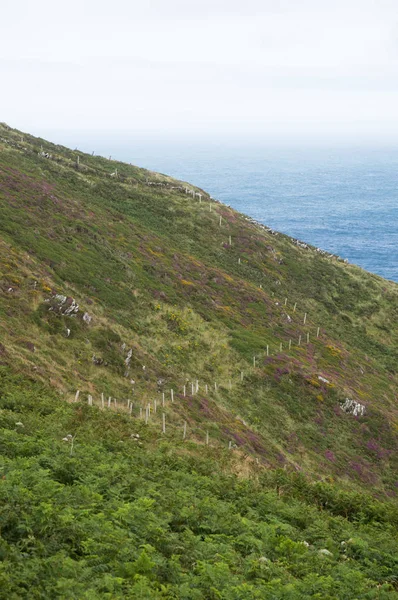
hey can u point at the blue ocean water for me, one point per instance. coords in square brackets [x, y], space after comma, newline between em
[342, 200]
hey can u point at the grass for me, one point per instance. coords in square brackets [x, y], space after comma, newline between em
[156, 273]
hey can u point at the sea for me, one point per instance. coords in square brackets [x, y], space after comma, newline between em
[343, 200]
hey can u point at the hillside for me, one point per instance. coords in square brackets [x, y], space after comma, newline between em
[228, 348]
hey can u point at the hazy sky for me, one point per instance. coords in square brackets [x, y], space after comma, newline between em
[208, 68]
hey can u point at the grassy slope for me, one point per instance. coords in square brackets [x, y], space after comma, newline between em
[154, 269]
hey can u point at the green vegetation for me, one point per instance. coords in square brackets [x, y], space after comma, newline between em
[124, 517]
[115, 281]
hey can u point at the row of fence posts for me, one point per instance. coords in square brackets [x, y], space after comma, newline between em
[112, 402]
[195, 385]
[194, 388]
[285, 304]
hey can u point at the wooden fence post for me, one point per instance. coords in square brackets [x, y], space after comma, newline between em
[163, 423]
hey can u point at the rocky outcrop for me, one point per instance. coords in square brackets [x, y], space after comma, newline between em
[353, 408]
[63, 305]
